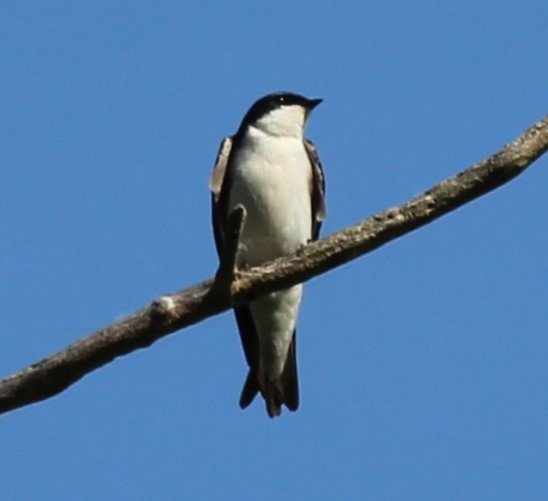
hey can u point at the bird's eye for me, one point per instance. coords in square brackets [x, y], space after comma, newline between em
[281, 99]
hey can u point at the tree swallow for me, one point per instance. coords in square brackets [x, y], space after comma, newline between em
[275, 173]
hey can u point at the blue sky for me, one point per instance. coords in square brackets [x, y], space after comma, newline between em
[422, 366]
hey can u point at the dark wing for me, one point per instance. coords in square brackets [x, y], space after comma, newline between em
[219, 184]
[319, 208]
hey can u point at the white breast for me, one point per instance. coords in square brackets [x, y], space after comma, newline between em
[272, 178]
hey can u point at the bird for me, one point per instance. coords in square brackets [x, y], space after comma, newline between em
[270, 168]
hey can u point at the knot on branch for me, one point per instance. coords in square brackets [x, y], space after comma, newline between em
[163, 310]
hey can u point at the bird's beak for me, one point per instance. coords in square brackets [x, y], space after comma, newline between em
[312, 103]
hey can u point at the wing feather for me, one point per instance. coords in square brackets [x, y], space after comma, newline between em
[319, 207]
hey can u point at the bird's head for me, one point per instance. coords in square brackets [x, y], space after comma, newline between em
[280, 114]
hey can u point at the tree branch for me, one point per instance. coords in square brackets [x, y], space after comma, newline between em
[189, 306]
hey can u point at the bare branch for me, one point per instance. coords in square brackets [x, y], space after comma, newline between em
[189, 306]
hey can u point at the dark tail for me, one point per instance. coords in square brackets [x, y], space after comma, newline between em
[250, 389]
[284, 391]
[289, 382]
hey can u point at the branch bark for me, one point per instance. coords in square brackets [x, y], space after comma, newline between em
[176, 311]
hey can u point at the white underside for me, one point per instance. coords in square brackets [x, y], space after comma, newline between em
[272, 180]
